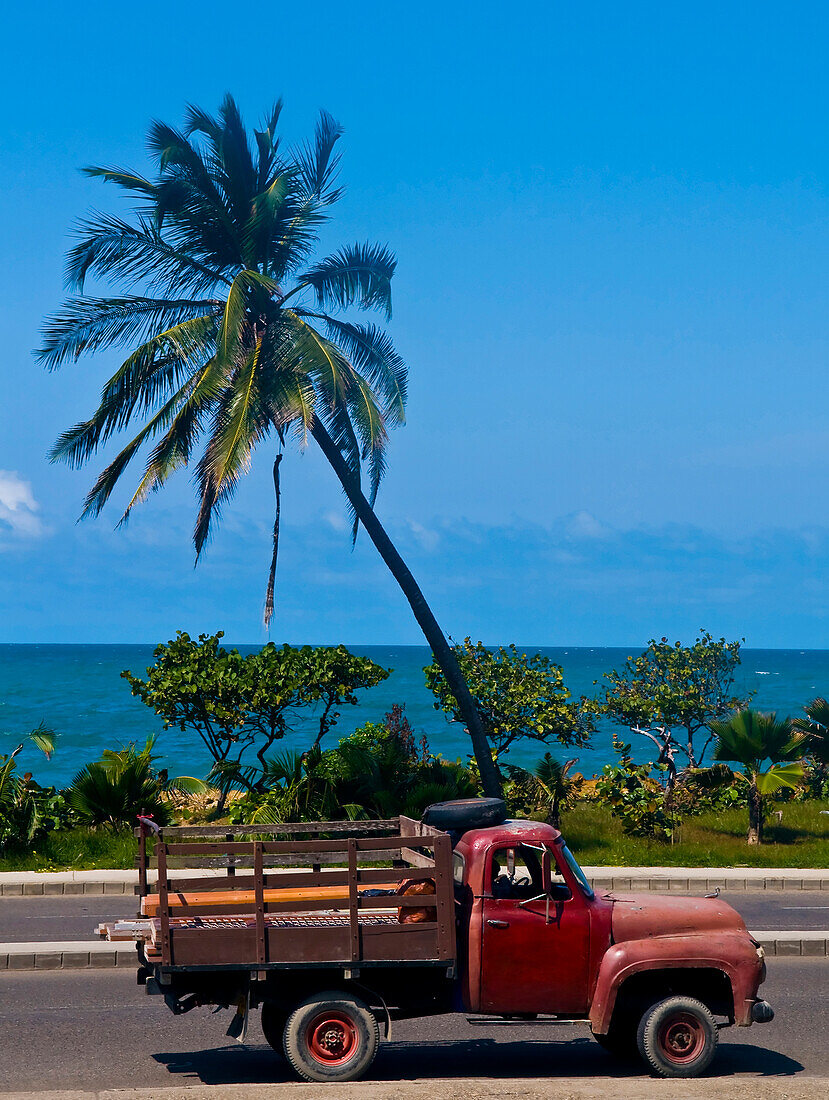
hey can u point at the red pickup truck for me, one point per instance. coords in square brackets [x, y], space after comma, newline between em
[339, 928]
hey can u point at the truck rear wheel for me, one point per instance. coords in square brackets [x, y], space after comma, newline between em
[678, 1037]
[331, 1037]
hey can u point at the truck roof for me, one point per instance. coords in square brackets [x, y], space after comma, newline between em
[518, 830]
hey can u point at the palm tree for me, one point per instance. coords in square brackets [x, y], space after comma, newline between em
[237, 336]
[769, 750]
[816, 726]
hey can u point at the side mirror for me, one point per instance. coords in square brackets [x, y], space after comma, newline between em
[547, 872]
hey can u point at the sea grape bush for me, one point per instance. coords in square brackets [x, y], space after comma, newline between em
[241, 706]
[518, 697]
[637, 800]
[672, 693]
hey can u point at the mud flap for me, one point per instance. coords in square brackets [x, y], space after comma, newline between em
[238, 1028]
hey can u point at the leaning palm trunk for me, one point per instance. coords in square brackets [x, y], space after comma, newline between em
[443, 653]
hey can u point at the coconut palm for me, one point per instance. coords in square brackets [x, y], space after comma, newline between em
[769, 749]
[235, 335]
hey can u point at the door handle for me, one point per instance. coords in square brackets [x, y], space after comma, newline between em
[498, 923]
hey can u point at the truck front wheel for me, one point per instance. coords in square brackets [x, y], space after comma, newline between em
[678, 1037]
[331, 1037]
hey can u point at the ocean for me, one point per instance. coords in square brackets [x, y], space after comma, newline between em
[77, 690]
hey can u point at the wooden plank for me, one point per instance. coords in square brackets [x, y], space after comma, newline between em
[288, 847]
[308, 879]
[353, 900]
[417, 859]
[163, 902]
[142, 860]
[445, 886]
[332, 859]
[259, 891]
[286, 828]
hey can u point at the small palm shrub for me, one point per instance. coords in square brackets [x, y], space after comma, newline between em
[544, 792]
[112, 791]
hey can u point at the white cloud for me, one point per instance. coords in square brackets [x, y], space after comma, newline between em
[426, 538]
[18, 507]
[336, 520]
[584, 525]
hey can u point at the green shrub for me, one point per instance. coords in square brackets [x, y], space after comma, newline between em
[122, 784]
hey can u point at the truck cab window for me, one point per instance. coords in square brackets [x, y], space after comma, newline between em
[516, 874]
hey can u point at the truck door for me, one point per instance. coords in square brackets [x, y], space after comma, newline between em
[531, 962]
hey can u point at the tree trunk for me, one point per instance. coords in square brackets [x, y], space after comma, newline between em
[427, 622]
[755, 815]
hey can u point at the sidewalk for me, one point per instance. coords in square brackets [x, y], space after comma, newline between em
[679, 879]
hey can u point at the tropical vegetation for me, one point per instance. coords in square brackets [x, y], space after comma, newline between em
[245, 706]
[124, 783]
[671, 694]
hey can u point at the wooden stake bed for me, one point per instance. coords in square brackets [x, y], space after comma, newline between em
[345, 913]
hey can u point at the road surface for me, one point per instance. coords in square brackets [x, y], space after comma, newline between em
[90, 1030]
[70, 917]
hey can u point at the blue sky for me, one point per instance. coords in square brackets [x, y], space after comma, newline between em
[611, 226]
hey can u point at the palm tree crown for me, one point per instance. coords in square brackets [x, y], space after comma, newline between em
[233, 334]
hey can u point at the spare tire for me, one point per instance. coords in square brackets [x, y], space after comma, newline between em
[466, 813]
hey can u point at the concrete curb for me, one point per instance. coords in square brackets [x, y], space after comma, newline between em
[67, 955]
[95, 955]
[665, 879]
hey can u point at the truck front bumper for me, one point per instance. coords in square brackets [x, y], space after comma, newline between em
[761, 1012]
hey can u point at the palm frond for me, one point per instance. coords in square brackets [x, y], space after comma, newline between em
[240, 422]
[318, 163]
[86, 325]
[358, 274]
[130, 181]
[109, 246]
[373, 354]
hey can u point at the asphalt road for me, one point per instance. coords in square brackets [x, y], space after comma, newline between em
[97, 1030]
[75, 917]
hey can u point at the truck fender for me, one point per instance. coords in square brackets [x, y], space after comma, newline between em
[730, 953]
[373, 1000]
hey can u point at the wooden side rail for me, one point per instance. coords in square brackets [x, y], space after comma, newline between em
[416, 857]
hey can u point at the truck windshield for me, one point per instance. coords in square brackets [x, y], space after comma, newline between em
[572, 863]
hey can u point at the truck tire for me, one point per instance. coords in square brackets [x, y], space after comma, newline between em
[332, 1036]
[678, 1037]
[466, 813]
[273, 1026]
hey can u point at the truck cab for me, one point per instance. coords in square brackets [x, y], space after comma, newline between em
[538, 940]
